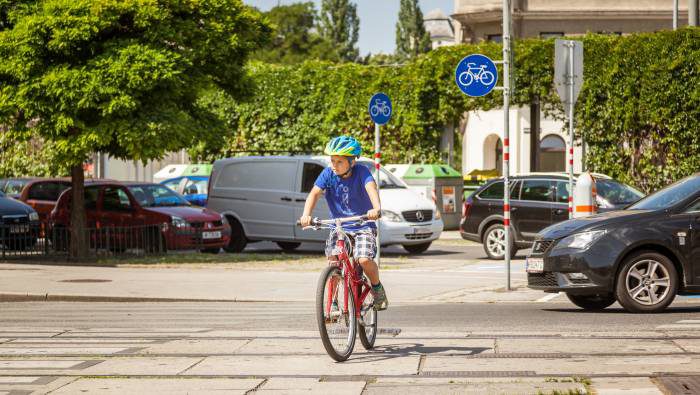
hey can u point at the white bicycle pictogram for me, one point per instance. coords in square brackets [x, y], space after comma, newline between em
[476, 73]
[380, 107]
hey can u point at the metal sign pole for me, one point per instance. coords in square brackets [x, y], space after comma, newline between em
[571, 129]
[377, 161]
[506, 136]
[675, 14]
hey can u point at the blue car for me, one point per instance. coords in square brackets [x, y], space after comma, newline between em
[193, 188]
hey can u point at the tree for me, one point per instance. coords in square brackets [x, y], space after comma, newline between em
[340, 26]
[411, 37]
[295, 38]
[122, 77]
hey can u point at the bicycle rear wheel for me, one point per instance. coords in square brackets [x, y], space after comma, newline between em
[367, 328]
[338, 328]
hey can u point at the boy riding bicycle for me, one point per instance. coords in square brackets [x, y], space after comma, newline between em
[350, 190]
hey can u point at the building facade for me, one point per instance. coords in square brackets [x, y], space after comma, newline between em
[480, 20]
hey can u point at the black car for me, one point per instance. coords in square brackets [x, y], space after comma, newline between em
[19, 225]
[537, 201]
[641, 256]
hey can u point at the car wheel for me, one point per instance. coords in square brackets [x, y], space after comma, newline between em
[288, 245]
[417, 248]
[238, 240]
[592, 302]
[494, 242]
[646, 283]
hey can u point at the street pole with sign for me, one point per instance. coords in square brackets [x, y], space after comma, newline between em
[476, 75]
[568, 79]
[380, 110]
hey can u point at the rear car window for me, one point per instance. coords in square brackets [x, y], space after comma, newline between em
[537, 190]
[14, 187]
[47, 190]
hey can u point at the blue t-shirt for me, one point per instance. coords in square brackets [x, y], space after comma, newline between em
[347, 197]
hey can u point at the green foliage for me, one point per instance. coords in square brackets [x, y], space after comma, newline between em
[295, 39]
[340, 26]
[124, 77]
[411, 37]
[639, 107]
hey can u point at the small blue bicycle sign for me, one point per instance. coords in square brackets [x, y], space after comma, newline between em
[380, 108]
[476, 75]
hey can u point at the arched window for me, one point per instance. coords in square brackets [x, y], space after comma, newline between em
[552, 153]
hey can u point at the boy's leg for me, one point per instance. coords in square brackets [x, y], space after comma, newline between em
[365, 252]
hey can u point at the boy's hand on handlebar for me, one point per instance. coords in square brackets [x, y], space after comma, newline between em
[373, 214]
[305, 220]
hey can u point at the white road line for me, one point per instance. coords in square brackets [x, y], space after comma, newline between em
[548, 297]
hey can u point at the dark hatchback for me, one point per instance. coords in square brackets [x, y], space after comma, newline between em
[641, 256]
[538, 200]
[19, 224]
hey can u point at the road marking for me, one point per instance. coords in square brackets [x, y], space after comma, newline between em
[548, 297]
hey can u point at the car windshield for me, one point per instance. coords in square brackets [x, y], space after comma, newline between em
[617, 193]
[670, 195]
[388, 180]
[156, 196]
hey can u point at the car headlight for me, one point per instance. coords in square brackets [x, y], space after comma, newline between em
[178, 222]
[580, 241]
[390, 216]
[34, 216]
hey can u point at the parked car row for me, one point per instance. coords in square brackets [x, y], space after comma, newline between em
[42, 206]
[258, 198]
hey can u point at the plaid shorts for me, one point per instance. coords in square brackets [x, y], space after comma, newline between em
[364, 245]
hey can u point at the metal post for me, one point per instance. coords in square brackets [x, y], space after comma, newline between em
[506, 135]
[570, 81]
[377, 162]
[675, 14]
[692, 12]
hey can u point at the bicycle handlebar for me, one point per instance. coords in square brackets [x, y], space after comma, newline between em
[318, 222]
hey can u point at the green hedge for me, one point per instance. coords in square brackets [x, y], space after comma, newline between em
[639, 106]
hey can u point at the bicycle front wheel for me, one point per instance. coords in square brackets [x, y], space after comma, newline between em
[367, 327]
[336, 324]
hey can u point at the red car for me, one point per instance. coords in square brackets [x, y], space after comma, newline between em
[143, 215]
[42, 194]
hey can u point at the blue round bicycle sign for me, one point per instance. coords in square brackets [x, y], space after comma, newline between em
[476, 75]
[380, 108]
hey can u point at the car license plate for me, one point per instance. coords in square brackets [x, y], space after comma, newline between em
[19, 229]
[211, 235]
[534, 265]
[420, 231]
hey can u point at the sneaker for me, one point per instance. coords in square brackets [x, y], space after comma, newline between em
[334, 314]
[380, 300]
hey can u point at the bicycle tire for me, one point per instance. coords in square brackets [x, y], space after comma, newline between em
[487, 78]
[368, 331]
[464, 77]
[349, 320]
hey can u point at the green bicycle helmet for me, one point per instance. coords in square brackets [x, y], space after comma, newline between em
[343, 146]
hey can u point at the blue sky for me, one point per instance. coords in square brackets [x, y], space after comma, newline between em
[377, 19]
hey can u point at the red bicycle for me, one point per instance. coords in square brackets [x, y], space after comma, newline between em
[344, 303]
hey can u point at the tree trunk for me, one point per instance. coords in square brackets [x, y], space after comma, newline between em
[78, 239]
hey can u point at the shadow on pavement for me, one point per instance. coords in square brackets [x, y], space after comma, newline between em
[391, 351]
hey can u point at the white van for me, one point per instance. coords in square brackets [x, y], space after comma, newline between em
[263, 196]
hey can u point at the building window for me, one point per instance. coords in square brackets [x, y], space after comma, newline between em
[497, 38]
[551, 34]
[552, 153]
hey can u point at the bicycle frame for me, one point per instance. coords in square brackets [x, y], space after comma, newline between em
[360, 286]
